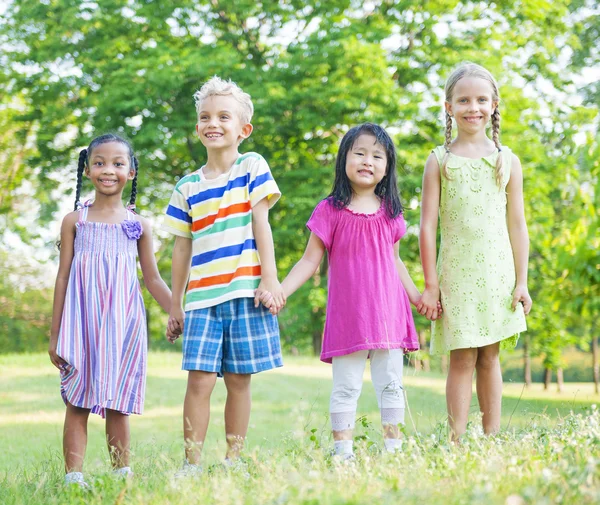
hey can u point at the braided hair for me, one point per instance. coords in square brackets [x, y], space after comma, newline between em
[84, 156]
[467, 69]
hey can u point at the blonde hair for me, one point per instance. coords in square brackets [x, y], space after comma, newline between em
[468, 69]
[216, 86]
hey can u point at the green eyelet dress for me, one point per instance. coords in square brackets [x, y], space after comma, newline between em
[475, 264]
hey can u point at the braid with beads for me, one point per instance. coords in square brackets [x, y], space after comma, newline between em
[496, 139]
[80, 167]
[134, 183]
[447, 145]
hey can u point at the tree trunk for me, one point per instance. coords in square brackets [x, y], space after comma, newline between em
[559, 380]
[445, 364]
[547, 378]
[595, 366]
[526, 361]
[317, 339]
[425, 365]
[148, 327]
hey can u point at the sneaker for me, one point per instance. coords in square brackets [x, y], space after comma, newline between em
[347, 457]
[188, 471]
[125, 472]
[76, 478]
[236, 466]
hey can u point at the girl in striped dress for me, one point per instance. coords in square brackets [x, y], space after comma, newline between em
[98, 336]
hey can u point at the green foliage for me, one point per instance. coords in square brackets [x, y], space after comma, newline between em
[72, 70]
[25, 307]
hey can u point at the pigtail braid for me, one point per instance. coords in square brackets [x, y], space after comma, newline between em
[496, 139]
[134, 184]
[447, 142]
[80, 167]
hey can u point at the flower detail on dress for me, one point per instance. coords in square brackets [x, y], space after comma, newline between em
[132, 228]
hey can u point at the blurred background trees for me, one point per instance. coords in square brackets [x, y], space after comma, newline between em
[70, 70]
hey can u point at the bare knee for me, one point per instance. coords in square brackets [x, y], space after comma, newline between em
[488, 357]
[200, 383]
[237, 383]
[463, 360]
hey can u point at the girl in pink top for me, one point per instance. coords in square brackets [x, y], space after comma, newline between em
[360, 225]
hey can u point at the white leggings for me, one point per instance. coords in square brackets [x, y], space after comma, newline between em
[386, 374]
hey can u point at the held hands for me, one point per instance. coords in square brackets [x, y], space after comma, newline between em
[429, 305]
[520, 294]
[271, 295]
[175, 324]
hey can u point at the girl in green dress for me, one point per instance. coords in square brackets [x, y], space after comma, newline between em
[475, 185]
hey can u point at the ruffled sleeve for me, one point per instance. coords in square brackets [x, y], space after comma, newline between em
[322, 222]
[398, 228]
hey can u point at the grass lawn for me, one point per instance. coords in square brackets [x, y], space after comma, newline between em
[549, 450]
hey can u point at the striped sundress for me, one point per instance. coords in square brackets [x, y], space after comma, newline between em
[102, 334]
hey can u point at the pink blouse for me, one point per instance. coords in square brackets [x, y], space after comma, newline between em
[367, 305]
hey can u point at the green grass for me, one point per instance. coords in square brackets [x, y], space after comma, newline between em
[548, 451]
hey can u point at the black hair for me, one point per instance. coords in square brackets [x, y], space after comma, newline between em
[386, 189]
[84, 157]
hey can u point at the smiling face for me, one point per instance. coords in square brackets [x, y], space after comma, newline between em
[366, 163]
[219, 124]
[472, 103]
[109, 168]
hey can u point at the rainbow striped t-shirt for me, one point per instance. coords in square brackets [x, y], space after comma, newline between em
[217, 215]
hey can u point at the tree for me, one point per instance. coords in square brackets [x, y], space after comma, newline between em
[77, 69]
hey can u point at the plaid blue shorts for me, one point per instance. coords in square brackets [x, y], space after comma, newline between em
[232, 337]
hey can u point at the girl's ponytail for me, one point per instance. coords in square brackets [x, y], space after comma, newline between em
[447, 142]
[134, 183]
[496, 139]
[80, 167]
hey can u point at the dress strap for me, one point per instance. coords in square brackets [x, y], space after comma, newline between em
[83, 212]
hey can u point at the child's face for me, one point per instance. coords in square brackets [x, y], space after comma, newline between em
[219, 124]
[109, 168]
[366, 163]
[472, 104]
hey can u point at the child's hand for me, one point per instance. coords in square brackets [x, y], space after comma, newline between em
[521, 294]
[264, 297]
[429, 305]
[57, 361]
[175, 324]
[271, 295]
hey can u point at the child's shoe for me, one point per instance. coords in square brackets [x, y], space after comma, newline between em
[393, 445]
[236, 466]
[76, 478]
[125, 472]
[188, 471]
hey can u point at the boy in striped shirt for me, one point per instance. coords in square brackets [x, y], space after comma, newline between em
[224, 253]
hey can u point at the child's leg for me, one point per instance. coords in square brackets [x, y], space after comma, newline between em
[117, 438]
[237, 412]
[459, 388]
[489, 386]
[196, 412]
[348, 373]
[75, 437]
[386, 373]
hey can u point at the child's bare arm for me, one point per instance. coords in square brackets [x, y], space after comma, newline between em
[152, 279]
[519, 236]
[430, 206]
[306, 267]
[180, 271]
[266, 250]
[67, 241]
[413, 293]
